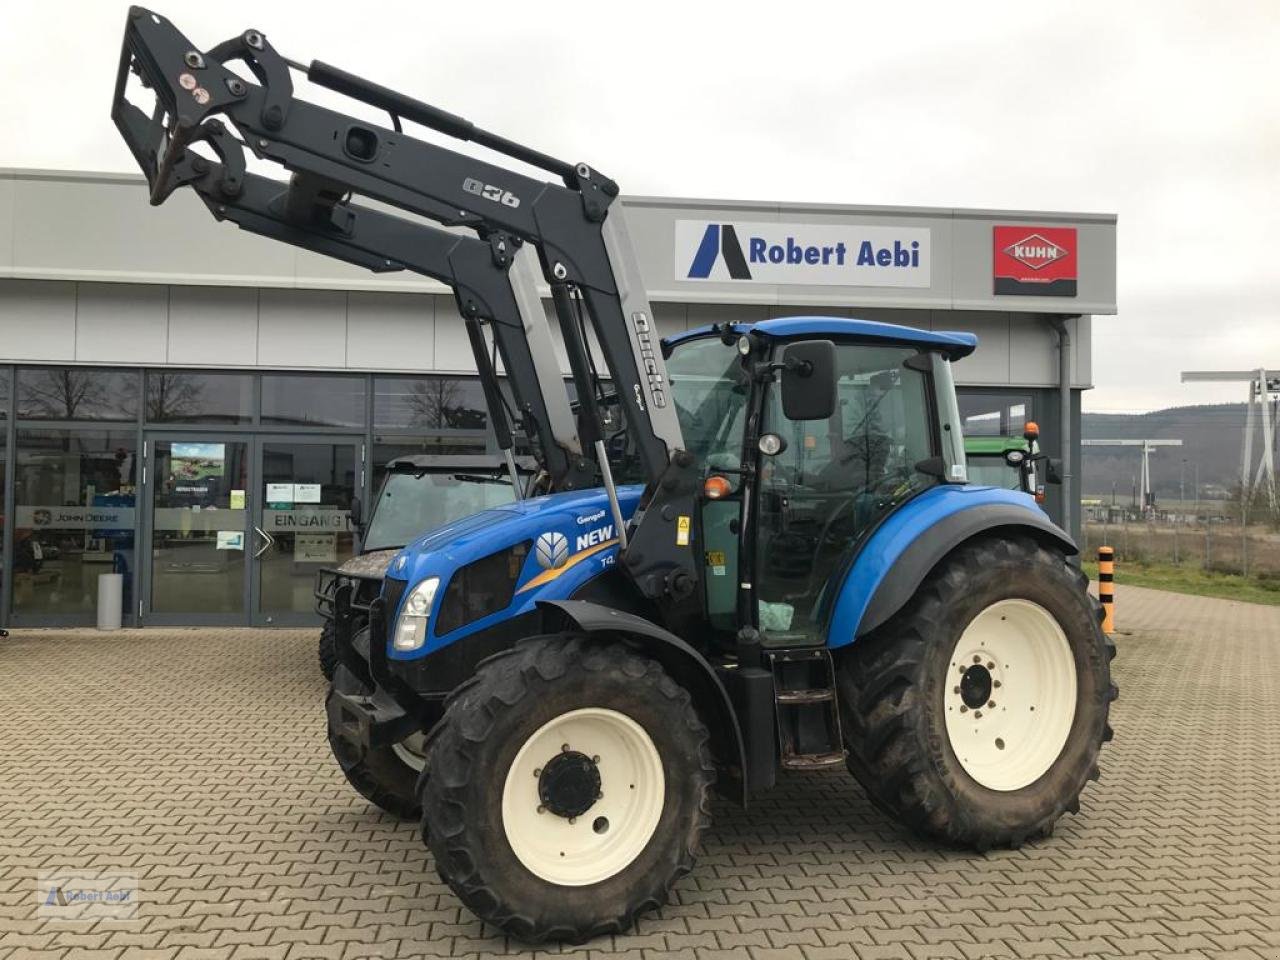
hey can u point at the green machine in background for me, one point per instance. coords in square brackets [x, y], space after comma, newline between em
[1011, 463]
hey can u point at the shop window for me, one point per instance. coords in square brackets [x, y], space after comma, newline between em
[77, 393]
[74, 510]
[6, 378]
[188, 396]
[429, 403]
[313, 401]
[994, 414]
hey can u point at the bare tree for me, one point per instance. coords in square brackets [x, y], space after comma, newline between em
[61, 393]
[173, 396]
[441, 403]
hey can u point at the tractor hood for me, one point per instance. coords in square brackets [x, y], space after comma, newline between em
[557, 543]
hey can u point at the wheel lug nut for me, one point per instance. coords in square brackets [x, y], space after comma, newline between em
[537, 772]
[995, 683]
[595, 758]
[977, 714]
[976, 658]
[955, 689]
[542, 809]
[572, 821]
[990, 665]
[991, 704]
[564, 748]
[963, 708]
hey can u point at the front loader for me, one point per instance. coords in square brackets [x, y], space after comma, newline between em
[801, 581]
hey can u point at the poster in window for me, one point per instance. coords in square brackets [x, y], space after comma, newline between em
[197, 468]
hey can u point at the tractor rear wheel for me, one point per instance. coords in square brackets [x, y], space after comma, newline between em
[976, 713]
[567, 788]
[385, 775]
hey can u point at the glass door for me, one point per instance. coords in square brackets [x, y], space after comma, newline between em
[196, 490]
[302, 521]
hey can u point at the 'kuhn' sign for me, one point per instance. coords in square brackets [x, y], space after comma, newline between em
[849, 255]
[1035, 261]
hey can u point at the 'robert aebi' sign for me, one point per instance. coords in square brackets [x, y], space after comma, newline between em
[802, 253]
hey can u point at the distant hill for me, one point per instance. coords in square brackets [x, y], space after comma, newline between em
[1211, 434]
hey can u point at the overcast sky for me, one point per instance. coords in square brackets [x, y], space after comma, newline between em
[1165, 113]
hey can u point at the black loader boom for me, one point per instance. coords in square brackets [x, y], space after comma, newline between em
[575, 226]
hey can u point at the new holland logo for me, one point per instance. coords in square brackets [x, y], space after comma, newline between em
[1035, 251]
[719, 240]
[552, 549]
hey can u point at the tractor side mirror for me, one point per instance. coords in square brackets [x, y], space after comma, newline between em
[809, 380]
[1052, 470]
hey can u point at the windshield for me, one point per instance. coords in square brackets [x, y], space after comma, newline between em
[710, 389]
[410, 504]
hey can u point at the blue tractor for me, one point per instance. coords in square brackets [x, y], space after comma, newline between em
[749, 549]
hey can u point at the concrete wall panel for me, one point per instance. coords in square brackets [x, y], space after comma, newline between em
[302, 328]
[121, 323]
[392, 331]
[213, 326]
[37, 320]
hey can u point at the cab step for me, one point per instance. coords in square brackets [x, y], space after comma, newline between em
[808, 715]
[805, 696]
[814, 761]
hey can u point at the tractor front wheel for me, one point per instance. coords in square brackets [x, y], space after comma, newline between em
[567, 788]
[976, 713]
[387, 774]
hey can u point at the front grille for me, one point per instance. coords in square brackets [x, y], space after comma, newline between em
[480, 588]
[392, 591]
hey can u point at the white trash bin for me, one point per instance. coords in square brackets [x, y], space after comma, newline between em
[110, 600]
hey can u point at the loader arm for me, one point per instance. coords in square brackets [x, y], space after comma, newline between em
[575, 226]
[490, 280]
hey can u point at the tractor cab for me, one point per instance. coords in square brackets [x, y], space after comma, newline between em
[828, 436]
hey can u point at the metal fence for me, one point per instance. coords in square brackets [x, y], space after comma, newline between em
[1252, 551]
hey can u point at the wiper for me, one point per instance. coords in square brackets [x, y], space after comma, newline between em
[471, 478]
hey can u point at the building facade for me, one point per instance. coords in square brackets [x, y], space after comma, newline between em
[196, 407]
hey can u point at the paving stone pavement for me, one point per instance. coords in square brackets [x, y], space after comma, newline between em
[197, 760]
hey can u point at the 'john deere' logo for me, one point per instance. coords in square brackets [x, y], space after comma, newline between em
[1035, 251]
[552, 549]
[720, 239]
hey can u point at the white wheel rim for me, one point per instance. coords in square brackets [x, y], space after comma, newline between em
[609, 836]
[412, 752]
[1017, 651]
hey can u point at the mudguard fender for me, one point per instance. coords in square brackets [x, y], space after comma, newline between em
[899, 555]
[686, 665]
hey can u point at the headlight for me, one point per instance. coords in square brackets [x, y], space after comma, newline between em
[1014, 457]
[411, 627]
